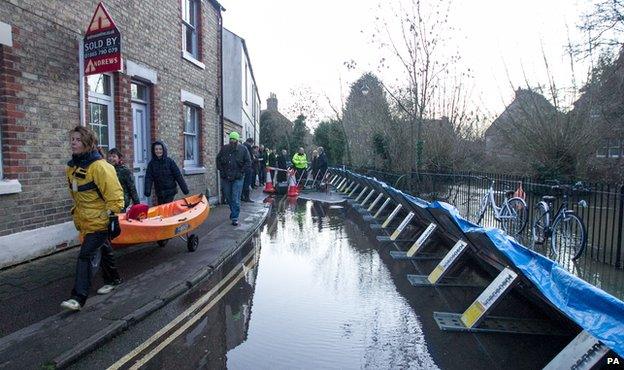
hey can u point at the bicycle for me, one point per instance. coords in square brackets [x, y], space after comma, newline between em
[567, 231]
[512, 213]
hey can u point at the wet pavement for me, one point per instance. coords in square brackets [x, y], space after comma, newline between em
[314, 290]
[42, 335]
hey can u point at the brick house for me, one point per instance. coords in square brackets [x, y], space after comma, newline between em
[170, 89]
[601, 105]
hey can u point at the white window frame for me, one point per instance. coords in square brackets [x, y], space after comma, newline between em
[193, 55]
[194, 116]
[196, 101]
[614, 144]
[246, 84]
[109, 101]
[7, 186]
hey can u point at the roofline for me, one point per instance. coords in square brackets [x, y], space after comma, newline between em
[253, 77]
[217, 5]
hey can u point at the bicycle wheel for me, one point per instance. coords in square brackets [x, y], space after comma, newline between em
[481, 211]
[568, 236]
[514, 216]
[540, 223]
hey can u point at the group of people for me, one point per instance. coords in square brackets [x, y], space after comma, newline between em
[239, 164]
[100, 189]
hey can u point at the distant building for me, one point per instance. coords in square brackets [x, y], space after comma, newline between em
[527, 105]
[602, 103]
[241, 100]
[275, 127]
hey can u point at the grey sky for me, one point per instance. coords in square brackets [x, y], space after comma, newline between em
[303, 44]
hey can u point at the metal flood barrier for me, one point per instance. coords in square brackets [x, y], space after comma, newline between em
[411, 224]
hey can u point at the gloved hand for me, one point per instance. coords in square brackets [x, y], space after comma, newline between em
[114, 228]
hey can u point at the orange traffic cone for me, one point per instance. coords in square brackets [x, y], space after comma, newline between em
[268, 186]
[293, 189]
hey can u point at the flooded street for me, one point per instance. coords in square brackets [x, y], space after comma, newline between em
[312, 291]
[325, 300]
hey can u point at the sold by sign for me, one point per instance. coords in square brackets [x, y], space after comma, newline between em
[102, 44]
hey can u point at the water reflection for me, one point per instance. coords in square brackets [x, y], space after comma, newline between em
[322, 298]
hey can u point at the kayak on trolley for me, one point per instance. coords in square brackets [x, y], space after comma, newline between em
[144, 224]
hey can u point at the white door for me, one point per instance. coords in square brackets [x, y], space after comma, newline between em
[142, 151]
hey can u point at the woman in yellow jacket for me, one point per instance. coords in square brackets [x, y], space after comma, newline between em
[97, 195]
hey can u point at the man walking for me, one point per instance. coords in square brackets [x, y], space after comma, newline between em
[262, 161]
[234, 163]
[322, 163]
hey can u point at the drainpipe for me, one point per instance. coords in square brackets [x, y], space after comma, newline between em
[221, 128]
[81, 82]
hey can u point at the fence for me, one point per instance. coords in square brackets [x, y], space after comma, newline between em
[602, 261]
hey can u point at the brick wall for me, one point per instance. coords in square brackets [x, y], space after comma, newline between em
[39, 95]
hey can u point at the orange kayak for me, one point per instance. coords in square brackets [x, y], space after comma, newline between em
[164, 221]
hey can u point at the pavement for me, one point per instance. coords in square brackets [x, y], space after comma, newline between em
[35, 332]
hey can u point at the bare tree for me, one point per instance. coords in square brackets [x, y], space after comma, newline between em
[604, 27]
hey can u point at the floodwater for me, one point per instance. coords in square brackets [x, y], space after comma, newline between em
[324, 300]
[312, 291]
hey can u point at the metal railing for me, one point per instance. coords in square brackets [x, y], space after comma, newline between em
[601, 263]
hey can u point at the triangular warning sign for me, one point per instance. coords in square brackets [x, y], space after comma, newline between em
[101, 20]
[90, 67]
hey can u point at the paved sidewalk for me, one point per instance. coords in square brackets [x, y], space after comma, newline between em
[31, 293]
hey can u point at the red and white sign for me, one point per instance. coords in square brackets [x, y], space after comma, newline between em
[102, 44]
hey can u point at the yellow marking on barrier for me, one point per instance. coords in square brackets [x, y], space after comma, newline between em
[448, 260]
[472, 314]
[361, 194]
[434, 276]
[421, 240]
[375, 202]
[354, 190]
[391, 216]
[383, 206]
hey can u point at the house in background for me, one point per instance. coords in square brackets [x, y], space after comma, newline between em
[241, 100]
[276, 129]
[528, 107]
[602, 104]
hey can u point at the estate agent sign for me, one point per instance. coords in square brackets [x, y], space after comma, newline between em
[102, 44]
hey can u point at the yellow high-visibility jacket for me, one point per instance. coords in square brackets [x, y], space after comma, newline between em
[300, 161]
[95, 189]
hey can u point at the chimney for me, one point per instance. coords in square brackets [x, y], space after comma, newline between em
[272, 102]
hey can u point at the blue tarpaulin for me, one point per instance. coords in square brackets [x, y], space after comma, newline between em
[597, 312]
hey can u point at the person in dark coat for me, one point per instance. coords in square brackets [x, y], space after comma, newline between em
[262, 162]
[272, 162]
[126, 179]
[249, 175]
[282, 163]
[322, 163]
[164, 174]
[233, 162]
[314, 164]
[255, 163]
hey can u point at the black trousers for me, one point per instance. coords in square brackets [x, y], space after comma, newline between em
[95, 250]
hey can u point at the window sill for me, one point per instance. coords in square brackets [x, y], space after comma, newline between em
[188, 56]
[193, 170]
[10, 187]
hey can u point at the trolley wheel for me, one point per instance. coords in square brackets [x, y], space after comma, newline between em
[192, 243]
[162, 243]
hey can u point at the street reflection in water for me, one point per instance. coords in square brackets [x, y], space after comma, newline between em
[319, 297]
